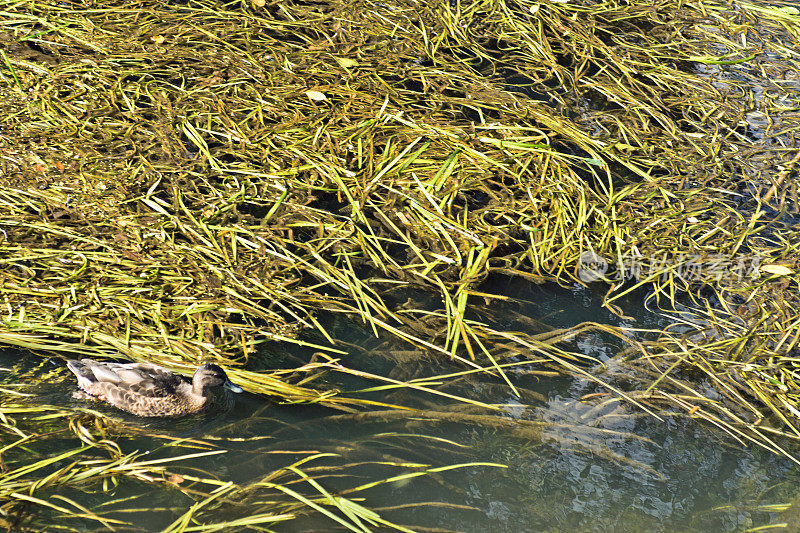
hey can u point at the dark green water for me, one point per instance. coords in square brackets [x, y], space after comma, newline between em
[588, 469]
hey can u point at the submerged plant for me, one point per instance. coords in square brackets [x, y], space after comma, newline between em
[182, 182]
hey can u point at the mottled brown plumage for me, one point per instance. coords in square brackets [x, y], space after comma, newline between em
[148, 390]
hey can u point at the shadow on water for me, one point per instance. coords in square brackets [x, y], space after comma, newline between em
[571, 465]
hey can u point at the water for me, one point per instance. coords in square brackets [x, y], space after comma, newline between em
[570, 465]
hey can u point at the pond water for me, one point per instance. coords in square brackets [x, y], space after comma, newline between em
[572, 467]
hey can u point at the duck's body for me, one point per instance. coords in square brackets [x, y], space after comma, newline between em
[148, 390]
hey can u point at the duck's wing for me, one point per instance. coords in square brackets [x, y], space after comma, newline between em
[139, 378]
[136, 372]
[145, 388]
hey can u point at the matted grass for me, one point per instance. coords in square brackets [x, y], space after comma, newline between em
[181, 181]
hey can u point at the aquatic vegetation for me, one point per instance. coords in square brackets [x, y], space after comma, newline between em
[55, 460]
[181, 182]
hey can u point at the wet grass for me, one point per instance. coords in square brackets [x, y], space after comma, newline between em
[183, 181]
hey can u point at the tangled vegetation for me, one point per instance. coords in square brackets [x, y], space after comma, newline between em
[181, 181]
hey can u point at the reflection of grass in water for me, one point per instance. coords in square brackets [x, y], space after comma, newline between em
[343, 452]
[60, 462]
[178, 464]
[32, 490]
[551, 487]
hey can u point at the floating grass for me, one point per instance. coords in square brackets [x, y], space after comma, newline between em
[183, 182]
[37, 486]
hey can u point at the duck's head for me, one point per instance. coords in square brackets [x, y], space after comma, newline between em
[211, 375]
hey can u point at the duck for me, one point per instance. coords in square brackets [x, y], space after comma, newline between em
[145, 389]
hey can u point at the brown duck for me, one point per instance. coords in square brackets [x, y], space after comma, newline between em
[149, 390]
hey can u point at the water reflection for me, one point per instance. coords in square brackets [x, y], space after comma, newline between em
[572, 465]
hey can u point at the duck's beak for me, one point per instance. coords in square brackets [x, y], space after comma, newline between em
[233, 388]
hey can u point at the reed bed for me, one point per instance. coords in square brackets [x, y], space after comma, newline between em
[182, 181]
